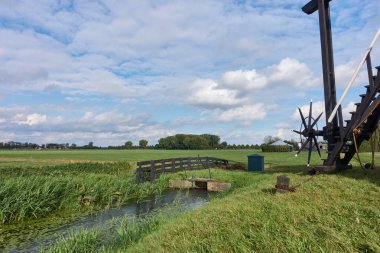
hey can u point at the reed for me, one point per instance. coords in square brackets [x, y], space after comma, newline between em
[28, 192]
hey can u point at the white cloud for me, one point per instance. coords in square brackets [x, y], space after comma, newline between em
[32, 119]
[292, 72]
[246, 114]
[241, 86]
[207, 92]
[351, 107]
[318, 107]
[244, 80]
[344, 73]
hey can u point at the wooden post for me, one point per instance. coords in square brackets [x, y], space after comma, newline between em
[209, 167]
[152, 171]
[183, 168]
[282, 183]
[173, 165]
[138, 176]
[163, 167]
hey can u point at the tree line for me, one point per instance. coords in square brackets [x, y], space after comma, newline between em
[179, 142]
[29, 145]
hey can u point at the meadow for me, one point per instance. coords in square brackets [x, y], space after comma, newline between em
[49, 157]
[327, 213]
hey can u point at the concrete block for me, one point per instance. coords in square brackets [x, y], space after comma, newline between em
[182, 184]
[218, 186]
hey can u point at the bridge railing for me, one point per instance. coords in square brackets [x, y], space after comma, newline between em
[150, 170]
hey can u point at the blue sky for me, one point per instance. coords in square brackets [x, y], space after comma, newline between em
[112, 71]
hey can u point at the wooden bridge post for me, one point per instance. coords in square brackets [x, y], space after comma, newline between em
[208, 167]
[183, 167]
[162, 167]
[152, 171]
[138, 176]
[173, 166]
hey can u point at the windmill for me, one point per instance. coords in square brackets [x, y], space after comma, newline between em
[343, 136]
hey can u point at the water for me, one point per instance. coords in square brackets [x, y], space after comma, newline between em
[32, 237]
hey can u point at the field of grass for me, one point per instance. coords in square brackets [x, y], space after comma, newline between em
[43, 157]
[329, 213]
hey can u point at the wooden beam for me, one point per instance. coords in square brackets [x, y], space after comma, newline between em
[311, 7]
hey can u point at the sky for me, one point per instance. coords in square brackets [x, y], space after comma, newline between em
[111, 71]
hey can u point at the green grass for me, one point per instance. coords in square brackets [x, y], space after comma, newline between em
[42, 157]
[329, 213]
[35, 192]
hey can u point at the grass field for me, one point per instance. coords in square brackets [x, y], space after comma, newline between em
[72, 156]
[52, 157]
[330, 213]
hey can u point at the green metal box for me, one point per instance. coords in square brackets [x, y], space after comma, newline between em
[255, 162]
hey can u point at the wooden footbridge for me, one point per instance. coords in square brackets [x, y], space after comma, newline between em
[150, 170]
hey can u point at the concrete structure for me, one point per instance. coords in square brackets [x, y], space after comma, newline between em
[199, 183]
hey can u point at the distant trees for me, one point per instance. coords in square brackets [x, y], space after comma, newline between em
[270, 139]
[293, 143]
[143, 143]
[189, 141]
[128, 145]
[18, 145]
[366, 146]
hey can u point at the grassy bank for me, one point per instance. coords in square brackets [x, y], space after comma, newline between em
[329, 213]
[34, 192]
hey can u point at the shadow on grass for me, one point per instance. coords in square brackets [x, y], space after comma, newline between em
[295, 169]
[271, 191]
[370, 175]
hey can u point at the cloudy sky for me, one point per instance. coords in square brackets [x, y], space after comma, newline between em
[111, 71]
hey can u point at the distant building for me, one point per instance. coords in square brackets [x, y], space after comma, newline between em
[322, 146]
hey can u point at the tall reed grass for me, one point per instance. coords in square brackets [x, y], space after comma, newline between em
[34, 192]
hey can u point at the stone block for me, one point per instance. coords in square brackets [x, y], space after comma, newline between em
[218, 186]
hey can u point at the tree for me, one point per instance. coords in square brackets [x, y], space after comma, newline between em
[213, 140]
[189, 141]
[223, 145]
[270, 139]
[143, 143]
[293, 143]
[128, 145]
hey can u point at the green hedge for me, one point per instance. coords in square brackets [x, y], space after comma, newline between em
[271, 148]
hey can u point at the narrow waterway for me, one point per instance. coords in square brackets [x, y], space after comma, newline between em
[33, 237]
